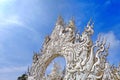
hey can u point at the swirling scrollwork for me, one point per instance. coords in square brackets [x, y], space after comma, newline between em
[85, 60]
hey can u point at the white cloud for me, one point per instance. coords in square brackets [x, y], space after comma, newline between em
[12, 69]
[8, 15]
[12, 19]
[12, 72]
[112, 39]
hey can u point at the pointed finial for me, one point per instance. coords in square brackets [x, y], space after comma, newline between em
[28, 71]
[90, 23]
[89, 28]
[72, 23]
[104, 40]
[60, 21]
[73, 18]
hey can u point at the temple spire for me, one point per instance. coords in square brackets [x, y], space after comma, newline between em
[60, 21]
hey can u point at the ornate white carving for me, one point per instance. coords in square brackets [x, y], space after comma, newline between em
[84, 60]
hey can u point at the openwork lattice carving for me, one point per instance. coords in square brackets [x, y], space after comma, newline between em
[85, 60]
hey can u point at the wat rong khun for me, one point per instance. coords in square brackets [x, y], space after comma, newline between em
[85, 59]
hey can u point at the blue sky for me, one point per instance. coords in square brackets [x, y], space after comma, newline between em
[25, 23]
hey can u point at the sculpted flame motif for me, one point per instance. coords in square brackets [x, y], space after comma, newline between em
[85, 60]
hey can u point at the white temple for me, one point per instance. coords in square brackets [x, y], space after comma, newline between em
[85, 60]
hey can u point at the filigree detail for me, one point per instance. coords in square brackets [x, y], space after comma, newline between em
[85, 60]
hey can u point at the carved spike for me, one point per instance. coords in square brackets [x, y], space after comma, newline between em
[106, 50]
[104, 41]
[60, 21]
[89, 22]
[28, 71]
[73, 18]
[72, 23]
[99, 37]
[106, 54]
[92, 25]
